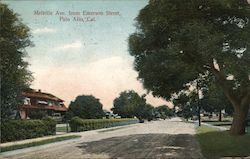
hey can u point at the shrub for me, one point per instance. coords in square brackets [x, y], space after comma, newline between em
[37, 114]
[14, 130]
[77, 124]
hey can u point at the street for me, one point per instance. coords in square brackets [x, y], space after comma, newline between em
[157, 139]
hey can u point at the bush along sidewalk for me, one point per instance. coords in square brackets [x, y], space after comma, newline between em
[14, 130]
[77, 124]
[38, 143]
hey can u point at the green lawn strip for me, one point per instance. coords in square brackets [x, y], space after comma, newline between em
[226, 124]
[219, 123]
[62, 129]
[216, 144]
[37, 143]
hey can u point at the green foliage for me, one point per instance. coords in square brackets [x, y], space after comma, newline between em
[217, 144]
[62, 129]
[37, 114]
[68, 115]
[214, 100]
[13, 68]
[129, 104]
[177, 41]
[146, 111]
[165, 111]
[37, 143]
[86, 107]
[25, 129]
[77, 124]
[186, 105]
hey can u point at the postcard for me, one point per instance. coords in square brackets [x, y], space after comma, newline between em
[124, 78]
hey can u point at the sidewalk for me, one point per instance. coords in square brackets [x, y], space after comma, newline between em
[60, 135]
[217, 127]
[206, 124]
[34, 139]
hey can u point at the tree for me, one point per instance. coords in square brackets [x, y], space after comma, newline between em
[215, 101]
[186, 104]
[129, 104]
[177, 41]
[164, 111]
[86, 107]
[145, 111]
[15, 77]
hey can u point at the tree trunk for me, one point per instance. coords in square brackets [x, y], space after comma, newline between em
[239, 122]
[240, 104]
[220, 115]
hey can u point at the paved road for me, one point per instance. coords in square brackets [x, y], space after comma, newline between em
[157, 139]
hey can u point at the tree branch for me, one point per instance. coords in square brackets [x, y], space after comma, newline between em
[221, 78]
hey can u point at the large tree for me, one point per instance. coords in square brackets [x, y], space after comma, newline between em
[178, 40]
[145, 111]
[86, 107]
[15, 77]
[129, 104]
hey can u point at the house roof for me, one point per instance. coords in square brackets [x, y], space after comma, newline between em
[39, 94]
[44, 107]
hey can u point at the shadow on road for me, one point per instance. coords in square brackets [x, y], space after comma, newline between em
[145, 146]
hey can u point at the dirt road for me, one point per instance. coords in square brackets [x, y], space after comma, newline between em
[157, 139]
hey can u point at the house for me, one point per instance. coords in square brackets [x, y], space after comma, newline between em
[35, 101]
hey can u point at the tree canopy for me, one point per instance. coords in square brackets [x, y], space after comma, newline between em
[186, 104]
[214, 100]
[15, 77]
[129, 104]
[176, 41]
[86, 107]
[165, 111]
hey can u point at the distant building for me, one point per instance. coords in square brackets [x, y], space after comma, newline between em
[35, 101]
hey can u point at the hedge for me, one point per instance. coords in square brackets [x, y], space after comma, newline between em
[77, 124]
[14, 130]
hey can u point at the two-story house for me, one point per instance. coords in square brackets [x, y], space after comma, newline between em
[41, 101]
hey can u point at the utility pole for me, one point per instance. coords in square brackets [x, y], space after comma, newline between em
[199, 113]
[198, 103]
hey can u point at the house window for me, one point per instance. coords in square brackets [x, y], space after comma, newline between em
[42, 102]
[61, 104]
[26, 101]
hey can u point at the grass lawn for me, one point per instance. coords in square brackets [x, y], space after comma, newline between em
[219, 123]
[225, 123]
[37, 143]
[62, 129]
[216, 144]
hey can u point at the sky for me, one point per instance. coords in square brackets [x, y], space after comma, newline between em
[84, 54]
